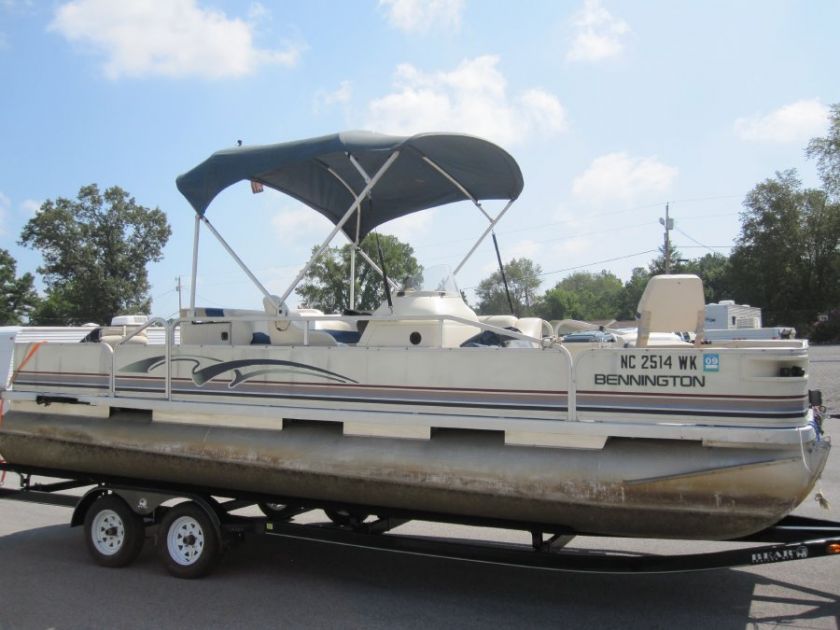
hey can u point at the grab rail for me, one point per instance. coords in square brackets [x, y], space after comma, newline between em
[169, 335]
[172, 324]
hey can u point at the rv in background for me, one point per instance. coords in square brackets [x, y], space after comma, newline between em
[729, 321]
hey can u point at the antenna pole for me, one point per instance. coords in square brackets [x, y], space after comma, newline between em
[668, 222]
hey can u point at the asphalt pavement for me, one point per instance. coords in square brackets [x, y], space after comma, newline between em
[47, 580]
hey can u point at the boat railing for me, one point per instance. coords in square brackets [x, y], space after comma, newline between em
[309, 320]
[170, 329]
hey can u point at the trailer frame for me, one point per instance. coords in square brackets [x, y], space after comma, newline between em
[209, 511]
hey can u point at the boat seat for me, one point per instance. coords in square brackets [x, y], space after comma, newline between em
[531, 326]
[196, 330]
[534, 327]
[285, 332]
[501, 321]
[671, 303]
[112, 335]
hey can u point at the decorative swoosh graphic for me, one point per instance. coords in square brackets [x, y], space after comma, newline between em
[201, 375]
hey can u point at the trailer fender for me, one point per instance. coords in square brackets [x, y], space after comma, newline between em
[84, 504]
[142, 502]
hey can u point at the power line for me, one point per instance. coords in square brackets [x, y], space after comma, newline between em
[599, 262]
[694, 240]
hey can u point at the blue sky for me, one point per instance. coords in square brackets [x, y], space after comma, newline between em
[612, 108]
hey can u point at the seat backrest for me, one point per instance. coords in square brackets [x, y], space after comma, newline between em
[285, 332]
[671, 303]
[112, 335]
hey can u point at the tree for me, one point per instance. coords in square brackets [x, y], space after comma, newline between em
[326, 285]
[657, 265]
[715, 270]
[583, 295]
[827, 153]
[18, 294]
[95, 252]
[786, 259]
[523, 278]
[632, 293]
[558, 303]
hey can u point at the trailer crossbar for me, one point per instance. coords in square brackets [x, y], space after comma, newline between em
[574, 560]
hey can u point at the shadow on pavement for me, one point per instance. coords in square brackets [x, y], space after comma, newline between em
[47, 580]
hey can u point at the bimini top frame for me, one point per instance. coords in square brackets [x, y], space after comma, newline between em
[336, 175]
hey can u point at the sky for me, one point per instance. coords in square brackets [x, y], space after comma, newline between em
[612, 108]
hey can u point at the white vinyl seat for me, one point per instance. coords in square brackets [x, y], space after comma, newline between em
[285, 332]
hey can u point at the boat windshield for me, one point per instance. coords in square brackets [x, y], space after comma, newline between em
[437, 279]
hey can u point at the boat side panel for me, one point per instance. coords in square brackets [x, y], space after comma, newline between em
[630, 487]
[723, 387]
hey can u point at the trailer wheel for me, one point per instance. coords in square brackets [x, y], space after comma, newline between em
[113, 532]
[189, 542]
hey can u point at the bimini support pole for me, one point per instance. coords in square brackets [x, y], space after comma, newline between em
[457, 185]
[355, 244]
[353, 277]
[194, 264]
[353, 248]
[489, 229]
[477, 204]
[236, 258]
[353, 207]
[376, 268]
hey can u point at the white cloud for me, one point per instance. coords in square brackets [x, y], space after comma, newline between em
[175, 38]
[258, 12]
[598, 34]
[295, 225]
[420, 16]
[410, 226]
[796, 122]
[30, 206]
[620, 177]
[471, 98]
[341, 95]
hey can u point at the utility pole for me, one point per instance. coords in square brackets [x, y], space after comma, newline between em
[668, 222]
[178, 288]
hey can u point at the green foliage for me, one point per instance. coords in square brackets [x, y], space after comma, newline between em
[787, 259]
[95, 252]
[716, 272]
[583, 295]
[326, 285]
[17, 295]
[632, 293]
[827, 153]
[827, 332]
[657, 265]
[523, 277]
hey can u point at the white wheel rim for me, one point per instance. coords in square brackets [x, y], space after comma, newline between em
[185, 540]
[107, 532]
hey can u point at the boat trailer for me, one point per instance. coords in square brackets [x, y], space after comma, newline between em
[192, 528]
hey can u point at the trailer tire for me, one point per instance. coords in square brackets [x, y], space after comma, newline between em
[189, 541]
[114, 534]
